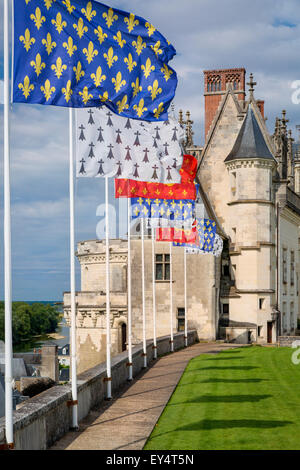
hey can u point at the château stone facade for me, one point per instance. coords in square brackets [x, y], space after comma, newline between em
[250, 185]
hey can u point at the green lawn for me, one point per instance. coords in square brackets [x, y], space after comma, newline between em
[246, 398]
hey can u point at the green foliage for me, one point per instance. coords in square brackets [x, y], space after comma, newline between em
[30, 320]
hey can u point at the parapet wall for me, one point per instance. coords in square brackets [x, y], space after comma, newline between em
[46, 417]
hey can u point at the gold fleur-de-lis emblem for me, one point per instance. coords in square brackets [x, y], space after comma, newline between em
[119, 39]
[59, 67]
[47, 89]
[157, 111]
[155, 90]
[86, 96]
[104, 97]
[156, 49]
[80, 28]
[131, 22]
[110, 57]
[26, 87]
[38, 64]
[110, 17]
[130, 62]
[150, 28]
[88, 12]
[98, 77]
[122, 104]
[49, 44]
[118, 81]
[148, 68]
[90, 52]
[139, 45]
[27, 1]
[67, 91]
[48, 3]
[140, 108]
[100, 35]
[38, 18]
[136, 87]
[70, 46]
[59, 24]
[167, 72]
[27, 40]
[70, 7]
[78, 71]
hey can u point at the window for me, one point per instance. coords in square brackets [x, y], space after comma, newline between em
[284, 265]
[233, 234]
[259, 330]
[292, 267]
[225, 308]
[284, 319]
[180, 319]
[292, 316]
[233, 183]
[261, 303]
[162, 265]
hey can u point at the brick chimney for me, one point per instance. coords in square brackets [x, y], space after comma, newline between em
[215, 86]
[261, 105]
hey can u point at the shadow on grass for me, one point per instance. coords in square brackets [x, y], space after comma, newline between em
[224, 399]
[191, 371]
[223, 358]
[209, 424]
[225, 381]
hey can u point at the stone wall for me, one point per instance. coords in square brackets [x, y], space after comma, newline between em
[46, 417]
[287, 341]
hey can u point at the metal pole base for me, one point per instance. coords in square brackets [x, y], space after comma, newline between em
[154, 352]
[130, 378]
[108, 388]
[185, 342]
[171, 345]
[145, 360]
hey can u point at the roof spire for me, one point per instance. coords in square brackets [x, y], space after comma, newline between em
[251, 85]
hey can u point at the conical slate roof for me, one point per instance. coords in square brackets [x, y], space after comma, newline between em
[250, 142]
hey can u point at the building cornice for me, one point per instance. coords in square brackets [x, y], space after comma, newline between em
[250, 163]
[251, 201]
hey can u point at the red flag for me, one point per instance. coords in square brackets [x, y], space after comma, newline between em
[184, 190]
[177, 235]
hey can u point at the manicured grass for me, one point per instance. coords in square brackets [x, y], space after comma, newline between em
[246, 398]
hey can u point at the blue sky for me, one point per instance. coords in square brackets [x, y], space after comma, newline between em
[263, 37]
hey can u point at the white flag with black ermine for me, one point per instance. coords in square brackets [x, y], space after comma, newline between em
[110, 145]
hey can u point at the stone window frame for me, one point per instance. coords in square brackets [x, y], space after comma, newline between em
[163, 262]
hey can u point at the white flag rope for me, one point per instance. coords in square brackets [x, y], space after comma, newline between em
[143, 295]
[129, 318]
[9, 433]
[72, 276]
[108, 334]
[154, 296]
[171, 302]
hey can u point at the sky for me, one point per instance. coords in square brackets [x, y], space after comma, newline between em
[263, 37]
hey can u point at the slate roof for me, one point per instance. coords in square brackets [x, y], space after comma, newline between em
[250, 142]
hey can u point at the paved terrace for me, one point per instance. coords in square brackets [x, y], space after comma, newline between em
[126, 422]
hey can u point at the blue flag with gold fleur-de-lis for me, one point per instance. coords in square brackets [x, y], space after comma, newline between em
[205, 240]
[164, 212]
[79, 53]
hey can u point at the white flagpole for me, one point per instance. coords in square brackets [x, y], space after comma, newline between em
[171, 301]
[154, 296]
[129, 316]
[9, 433]
[185, 300]
[72, 274]
[108, 339]
[143, 295]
